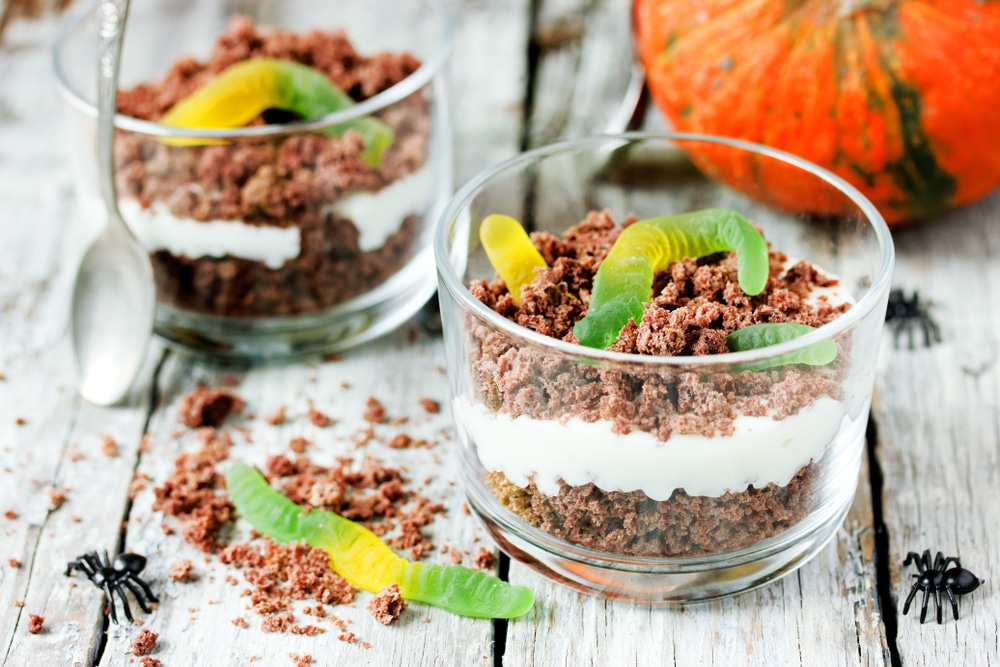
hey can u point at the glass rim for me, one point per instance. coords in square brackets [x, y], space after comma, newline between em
[400, 91]
[453, 282]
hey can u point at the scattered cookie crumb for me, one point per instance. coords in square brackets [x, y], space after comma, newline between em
[276, 418]
[34, 623]
[455, 556]
[181, 571]
[20, 421]
[483, 560]
[10, 514]
[298, 445]
[13, 562]
[146, 661]
[387, 605]
[108, 446]
[208, 407]
[318, 419]
[17, 603]
[332, 357]
[374, 411]
[239, 622]
[401, 441]
[300, 660]
[57, 497]
[430, 406]
[144, 642]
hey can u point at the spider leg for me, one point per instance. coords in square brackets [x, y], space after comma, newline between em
[111, 602]
[909, 598]
[79, 564]
[937, 601]
[897, 332]
[950, 559]
[923, 606]
[138, 595]
[937, 561]
[106, 562]
[912, 557]
[144, 586]
[125, 607]
[935, 330]
[93, 561]
[954, 602]
[910, 336]
[927, 559]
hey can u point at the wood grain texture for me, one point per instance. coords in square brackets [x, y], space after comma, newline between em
[826, 613]
[58, 447]
[584, 61]
[195, 619]
[488, 80]
[938, 417]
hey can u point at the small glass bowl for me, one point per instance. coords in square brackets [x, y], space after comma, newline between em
[580, 462]
[275, 241]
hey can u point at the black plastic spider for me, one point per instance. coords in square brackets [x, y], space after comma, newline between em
[907, 314]
[113, 576]
[937, 578]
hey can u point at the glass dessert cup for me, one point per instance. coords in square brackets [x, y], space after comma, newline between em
[661, 479]
[278, 240]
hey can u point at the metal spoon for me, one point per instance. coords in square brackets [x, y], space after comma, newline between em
[114, 297]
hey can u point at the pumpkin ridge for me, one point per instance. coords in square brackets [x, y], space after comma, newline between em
[916, 171]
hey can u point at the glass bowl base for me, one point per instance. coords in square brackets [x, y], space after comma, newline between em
[679, 581]
[288, 338]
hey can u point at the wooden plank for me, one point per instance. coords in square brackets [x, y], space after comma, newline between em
[584, 61]
[488, 82]
[194, 619]
[488, 85]
[938, 417]
[59, 444]
[826, 613]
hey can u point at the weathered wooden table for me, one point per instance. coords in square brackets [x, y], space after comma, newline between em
[524, 73]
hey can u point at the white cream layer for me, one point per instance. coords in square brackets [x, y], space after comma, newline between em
[760, 451]
[376, 215]
[159, 229]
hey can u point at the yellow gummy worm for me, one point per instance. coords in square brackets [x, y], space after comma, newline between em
[511, 252]
[244, 90]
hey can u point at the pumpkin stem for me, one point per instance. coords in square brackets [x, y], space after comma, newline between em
[849, 8]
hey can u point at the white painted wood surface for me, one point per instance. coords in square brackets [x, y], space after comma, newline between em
[938, 418]
[936, 413]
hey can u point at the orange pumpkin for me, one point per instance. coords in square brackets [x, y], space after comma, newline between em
[899, 97]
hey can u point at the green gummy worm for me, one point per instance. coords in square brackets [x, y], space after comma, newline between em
[624, 280]
[243, 90]
[358, 555]
[757, 336]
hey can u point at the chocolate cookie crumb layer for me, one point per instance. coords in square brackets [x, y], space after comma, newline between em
[291, 182]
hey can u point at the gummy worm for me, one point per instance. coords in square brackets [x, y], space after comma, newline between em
[244, 90]
[365, 561]
[764, 335]
[511, 252]
[624, 280]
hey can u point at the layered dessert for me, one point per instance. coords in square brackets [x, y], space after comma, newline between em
[287, 224]
[653, 459]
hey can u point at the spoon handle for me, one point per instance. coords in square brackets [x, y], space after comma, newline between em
[112, 31]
